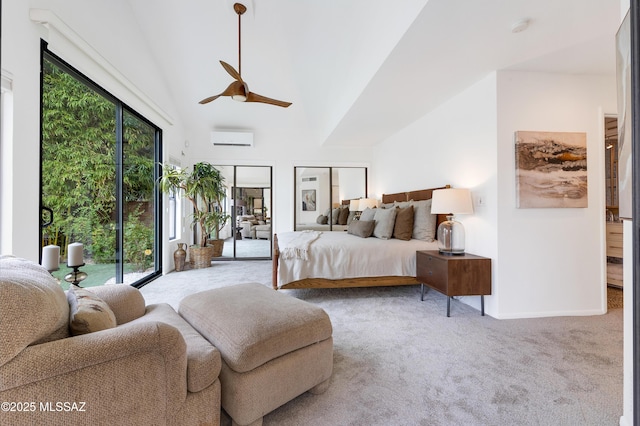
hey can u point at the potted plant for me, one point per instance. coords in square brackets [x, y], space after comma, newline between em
[204, 187]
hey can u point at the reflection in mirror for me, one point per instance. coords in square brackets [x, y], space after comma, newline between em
[249, 205]
[322, 196]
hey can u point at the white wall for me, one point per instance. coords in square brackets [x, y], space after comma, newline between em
[546, 262]
[454, 144]
[552, 260]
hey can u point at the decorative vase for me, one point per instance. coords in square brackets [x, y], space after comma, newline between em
[179, 257]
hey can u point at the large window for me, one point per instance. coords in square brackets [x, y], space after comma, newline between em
[98, 178]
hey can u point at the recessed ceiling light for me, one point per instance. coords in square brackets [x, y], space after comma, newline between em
[520, 26]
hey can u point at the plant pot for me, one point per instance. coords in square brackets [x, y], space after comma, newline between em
[217, 245]
[200, 257]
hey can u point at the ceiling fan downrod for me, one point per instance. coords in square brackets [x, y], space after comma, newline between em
[240, 10]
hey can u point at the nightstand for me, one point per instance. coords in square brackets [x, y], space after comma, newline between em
[454, 275]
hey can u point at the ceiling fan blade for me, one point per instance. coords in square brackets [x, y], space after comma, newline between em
[231, 70]
[209, 99]
[235, 88]
[254, 97]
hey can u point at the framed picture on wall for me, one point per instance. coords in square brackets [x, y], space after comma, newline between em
[308, 200]
[551, 169]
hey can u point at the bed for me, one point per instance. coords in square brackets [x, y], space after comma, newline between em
[337, 259]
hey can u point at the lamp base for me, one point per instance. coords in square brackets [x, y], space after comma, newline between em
[451, 237]
[452, 252]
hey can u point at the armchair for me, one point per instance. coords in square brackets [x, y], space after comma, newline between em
[151, 368]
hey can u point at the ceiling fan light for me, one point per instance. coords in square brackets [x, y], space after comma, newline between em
[239, 98]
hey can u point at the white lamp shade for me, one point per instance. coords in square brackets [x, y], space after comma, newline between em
[451, 201]
[367, 203]
[353, 205]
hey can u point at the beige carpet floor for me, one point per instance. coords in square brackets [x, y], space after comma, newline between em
[400, 361]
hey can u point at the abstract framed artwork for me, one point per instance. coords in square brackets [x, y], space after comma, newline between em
[308, 200]
[551, 169]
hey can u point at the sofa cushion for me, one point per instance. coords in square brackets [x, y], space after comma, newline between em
[87, 312]
[252, 324]
[33, 306]
[203, 359]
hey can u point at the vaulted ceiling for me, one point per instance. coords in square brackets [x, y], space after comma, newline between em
[357, 71]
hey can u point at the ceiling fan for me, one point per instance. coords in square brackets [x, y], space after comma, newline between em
[239, 90]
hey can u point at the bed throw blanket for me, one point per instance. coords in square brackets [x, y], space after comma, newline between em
[299, 246]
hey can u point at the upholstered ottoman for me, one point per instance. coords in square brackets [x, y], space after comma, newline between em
[274, 347]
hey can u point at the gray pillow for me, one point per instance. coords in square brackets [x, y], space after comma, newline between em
[335, 214]
[368, 214]
[361, 228]
[424, 223]
[322, 220]
[385, 220]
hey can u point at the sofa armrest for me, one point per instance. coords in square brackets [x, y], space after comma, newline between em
[136, 369]
[126, 302]
[63, 356]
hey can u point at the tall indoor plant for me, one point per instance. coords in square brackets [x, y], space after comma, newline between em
[204, 187]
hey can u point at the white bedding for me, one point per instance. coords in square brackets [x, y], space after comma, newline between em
[337, 255]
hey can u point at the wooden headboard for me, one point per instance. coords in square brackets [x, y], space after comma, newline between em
[422, 194]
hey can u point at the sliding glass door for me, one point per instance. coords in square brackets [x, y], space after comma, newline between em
[98, 174]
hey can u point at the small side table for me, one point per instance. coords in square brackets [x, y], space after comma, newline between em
[238, 234]
[454, 275]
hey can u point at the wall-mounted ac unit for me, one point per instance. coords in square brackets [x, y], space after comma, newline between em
[231, 138]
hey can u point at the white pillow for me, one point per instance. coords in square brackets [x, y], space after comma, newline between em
[385, 220]
[424, 223]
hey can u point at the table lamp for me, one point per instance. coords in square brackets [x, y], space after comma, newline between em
[451, 201]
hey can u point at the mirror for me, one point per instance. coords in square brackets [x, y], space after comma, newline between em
[321, 191]
[248, 231]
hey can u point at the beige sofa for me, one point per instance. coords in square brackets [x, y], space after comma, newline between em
[151, 368]
[253, 228]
